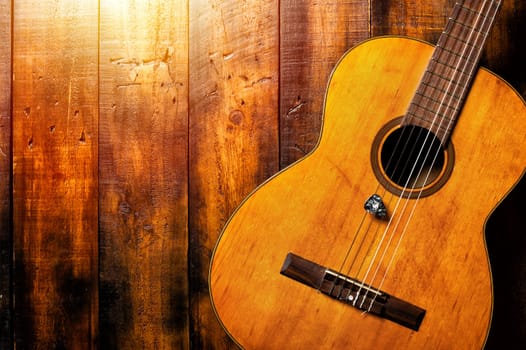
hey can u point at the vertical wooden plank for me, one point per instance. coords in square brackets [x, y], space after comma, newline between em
[5, 177]
[55, 111]
[233, 130]
[414, 18]
[314, 35]
[143, 174]
[503, 53]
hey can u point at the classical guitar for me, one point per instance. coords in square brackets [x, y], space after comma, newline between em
[375, 240]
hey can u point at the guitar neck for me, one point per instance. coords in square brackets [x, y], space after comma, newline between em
[446, 81]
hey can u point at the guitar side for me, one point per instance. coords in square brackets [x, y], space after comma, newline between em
[315, 209]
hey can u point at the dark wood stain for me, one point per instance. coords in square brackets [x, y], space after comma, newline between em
[116, 318]
[143, 176]
[504, 54]
[23, 316]
[6, 227]
[54, 176]
[311, 44]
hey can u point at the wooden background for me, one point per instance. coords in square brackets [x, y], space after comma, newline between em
[130, 130]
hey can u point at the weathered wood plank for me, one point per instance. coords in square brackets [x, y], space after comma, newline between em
[144, 187]
[314, 35]
[233, 130]
[5, 177]
[143, 175]
[418, 19]
[55, 129]
[504, 53]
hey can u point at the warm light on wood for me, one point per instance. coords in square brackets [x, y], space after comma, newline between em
[131, 130]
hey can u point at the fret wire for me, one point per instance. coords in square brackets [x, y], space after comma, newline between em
[436, 129]
[448, 51]
[452, 58]
[474, 12]
[463, 6]
[494, 3]
[420, 112]
[448, 34]
[452, 66]
[439, 77]
[459, 33]
[447, 115]
[466, 14]
[449, 55]
[438, 89]
[434, 97]
[415, 118]
[478, 18]
[457, 15]
[456, 11]
[426, 120]
[448, 67]
[451, 42]
[436, 101]
[454, 24]
[468, 27]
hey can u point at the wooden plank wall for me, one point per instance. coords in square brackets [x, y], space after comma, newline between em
[143, 174]
[233, 132]
[55, 188]
[130, 131]
[314, 35]
[5, 176]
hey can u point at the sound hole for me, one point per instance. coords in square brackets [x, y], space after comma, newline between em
[410, 161]
[412, 157]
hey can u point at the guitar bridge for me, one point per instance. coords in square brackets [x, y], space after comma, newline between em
[352, 292]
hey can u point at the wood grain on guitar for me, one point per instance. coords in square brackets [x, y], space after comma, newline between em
[425, 251]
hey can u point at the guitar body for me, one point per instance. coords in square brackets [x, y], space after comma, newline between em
[436, 257]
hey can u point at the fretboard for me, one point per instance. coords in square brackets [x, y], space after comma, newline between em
[448, 76]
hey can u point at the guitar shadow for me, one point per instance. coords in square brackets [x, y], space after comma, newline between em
[506, 240]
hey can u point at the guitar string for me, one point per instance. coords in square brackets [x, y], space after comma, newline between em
[365, 235]
[414, 206]
[471, 73]
[473, 51]
[397, 180]
[382, 195]
[340, 271]
[412, 129]
[401, 154]
[405, 188]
